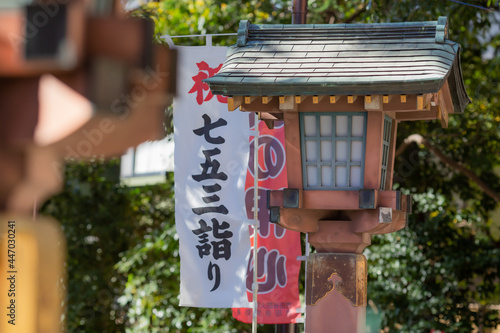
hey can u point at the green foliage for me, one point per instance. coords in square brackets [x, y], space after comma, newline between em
[190, 17]
[93, 211]
[335, 11]
[429, 275]
[442, 272]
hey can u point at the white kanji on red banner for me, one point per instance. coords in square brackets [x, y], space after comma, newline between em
[277, 265]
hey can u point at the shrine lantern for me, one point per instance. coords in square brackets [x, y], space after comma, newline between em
[341, 90]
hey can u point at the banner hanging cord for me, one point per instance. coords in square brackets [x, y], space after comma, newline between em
[255, 285]
[208, 38]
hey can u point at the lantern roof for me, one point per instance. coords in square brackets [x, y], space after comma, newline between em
[342, 59]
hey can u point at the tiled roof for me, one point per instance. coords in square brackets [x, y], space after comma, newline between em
[341, 59]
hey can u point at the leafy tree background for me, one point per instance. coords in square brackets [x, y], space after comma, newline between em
[441, 272]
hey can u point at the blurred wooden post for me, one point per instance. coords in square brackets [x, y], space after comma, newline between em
[78, 56]
[32, 285]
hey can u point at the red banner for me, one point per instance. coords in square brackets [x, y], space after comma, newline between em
[277, 265]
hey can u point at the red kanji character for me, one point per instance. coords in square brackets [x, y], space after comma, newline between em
[199, 86]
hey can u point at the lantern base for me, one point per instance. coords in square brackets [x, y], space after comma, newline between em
[336, 293]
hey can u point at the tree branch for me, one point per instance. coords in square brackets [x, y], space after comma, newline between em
[360, 10]
[420, 140]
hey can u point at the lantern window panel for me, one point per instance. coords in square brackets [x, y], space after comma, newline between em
[333, 150]
[386, 144]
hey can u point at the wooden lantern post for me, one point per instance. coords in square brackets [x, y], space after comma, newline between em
[77, 79]
[80, 80]
[341, 91]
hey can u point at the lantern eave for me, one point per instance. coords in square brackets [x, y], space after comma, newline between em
[342, 60]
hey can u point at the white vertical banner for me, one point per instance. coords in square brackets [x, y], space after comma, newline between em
[211, 157]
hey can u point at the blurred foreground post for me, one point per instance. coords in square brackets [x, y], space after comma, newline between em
[78, 80]
[32, 281]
